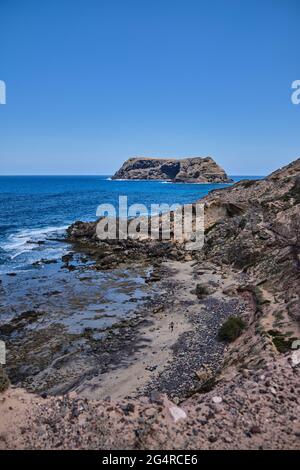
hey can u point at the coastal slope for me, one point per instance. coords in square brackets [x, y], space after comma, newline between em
[184, 170]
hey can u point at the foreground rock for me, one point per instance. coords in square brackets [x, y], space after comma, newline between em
[255, 410]
[186, 170]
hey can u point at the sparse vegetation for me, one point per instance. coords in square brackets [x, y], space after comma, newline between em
[259, 297]
[282, 342]
[202, 290]
[4, 381]
[242, 223]
[295, 191]
[231, 329]
[211, 227]
[208, 385]
[248, 183]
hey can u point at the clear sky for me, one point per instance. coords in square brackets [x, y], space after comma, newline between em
[93, 82]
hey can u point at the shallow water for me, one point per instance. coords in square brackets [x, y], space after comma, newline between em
[77, 300]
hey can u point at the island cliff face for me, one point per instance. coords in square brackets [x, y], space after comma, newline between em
[185, 170]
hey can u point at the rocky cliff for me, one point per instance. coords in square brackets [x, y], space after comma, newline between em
[186, 170]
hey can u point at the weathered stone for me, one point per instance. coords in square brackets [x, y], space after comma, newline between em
[196, 169]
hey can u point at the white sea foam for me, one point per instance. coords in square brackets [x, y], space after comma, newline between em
[132, 180]
[25, 240]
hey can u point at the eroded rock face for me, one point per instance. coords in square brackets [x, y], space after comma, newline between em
[186, 170]
[254, 227]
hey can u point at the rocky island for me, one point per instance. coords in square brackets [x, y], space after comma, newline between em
[184, 170]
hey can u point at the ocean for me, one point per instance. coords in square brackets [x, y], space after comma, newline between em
[36, 210]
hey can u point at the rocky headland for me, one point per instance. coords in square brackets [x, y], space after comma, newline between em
[184, 170]
[212, 359]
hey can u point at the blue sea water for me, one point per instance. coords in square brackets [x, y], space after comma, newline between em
[35, 210]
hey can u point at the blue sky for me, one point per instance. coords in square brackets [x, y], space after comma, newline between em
[91, 83]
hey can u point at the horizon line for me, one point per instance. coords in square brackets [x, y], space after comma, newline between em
[98, 174]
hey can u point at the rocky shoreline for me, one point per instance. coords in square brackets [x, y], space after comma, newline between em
[240, 393]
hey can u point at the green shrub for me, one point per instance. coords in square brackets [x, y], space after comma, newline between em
[202, 290]
[231, 329]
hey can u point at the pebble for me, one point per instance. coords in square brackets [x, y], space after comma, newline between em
[177, 413]
[217, 400]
